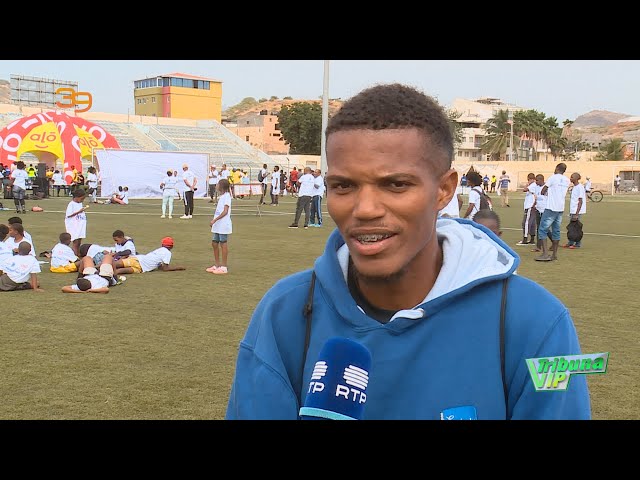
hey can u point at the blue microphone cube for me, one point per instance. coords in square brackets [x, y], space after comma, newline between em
[338, 386]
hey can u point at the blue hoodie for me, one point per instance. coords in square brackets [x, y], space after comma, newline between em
[442, 354]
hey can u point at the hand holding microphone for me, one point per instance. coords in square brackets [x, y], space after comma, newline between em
[338, 386]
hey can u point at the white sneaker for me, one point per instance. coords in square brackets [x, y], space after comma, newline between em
[184, 216]
[190, 216]
[170, 216]
[163, 216]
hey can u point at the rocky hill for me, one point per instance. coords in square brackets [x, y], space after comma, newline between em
[5, 91]
[598, 118]
[250, 105]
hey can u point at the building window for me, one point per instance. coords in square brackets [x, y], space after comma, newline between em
[270, 119]
[153, 99]
[466, 153]
[459, 153]
[474, 154]
[247, 122]
[246, 138]
[275, 134]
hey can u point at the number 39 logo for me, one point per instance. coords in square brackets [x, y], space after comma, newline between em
[72, 99]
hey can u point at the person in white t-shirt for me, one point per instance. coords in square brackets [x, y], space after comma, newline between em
[452, 210]
[263, 178]
[529, 218]
[556, 190]
[92, 183]
[474, 180]
[213, 178]
[316, 200]
[18, 184]
[63, 258]
[190, 181]
[169, 187]
[5, 252]
[16, 236]
[124, 245]
[221, 227]
[275, 186]
[92, 280]
[158, 259]
[21, 271]
[27, 235]
[58, 182]
[577, 205]
[75, 220]
[305, 195]
[540, 205]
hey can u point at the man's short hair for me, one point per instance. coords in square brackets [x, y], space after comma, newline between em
[84, 249]
[14, 220]
[397, 106]
[561, 167]
[79, 193]
[17, 227]
[83, 284]
[118, 233]
[487, 214]
[64, 237]
[24, 248]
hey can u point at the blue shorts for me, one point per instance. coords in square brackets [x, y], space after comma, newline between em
[97, 258]
[220, 237]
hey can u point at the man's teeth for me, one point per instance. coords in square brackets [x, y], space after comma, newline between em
[371, 238]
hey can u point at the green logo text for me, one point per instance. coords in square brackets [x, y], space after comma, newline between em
[553, 373]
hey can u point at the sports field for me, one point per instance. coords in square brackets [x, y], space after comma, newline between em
[163, 344]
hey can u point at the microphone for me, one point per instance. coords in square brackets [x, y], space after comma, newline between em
[338, 386]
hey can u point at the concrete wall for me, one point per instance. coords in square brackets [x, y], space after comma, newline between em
[601, 173]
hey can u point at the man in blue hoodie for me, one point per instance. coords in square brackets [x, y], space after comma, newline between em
[422, 294]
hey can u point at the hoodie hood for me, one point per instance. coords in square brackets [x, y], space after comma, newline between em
[472, 255]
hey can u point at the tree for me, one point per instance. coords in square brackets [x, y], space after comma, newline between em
[498, 135]
[287, 98]
[301, 127]
[262, 100]
[273, 97]
[456, 127]
[611, 150]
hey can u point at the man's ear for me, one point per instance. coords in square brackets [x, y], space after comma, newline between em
[447, 187]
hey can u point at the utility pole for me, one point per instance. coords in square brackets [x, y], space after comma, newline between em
[510, 121]
[325, 118]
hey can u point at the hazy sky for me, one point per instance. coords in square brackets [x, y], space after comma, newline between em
[560, 88]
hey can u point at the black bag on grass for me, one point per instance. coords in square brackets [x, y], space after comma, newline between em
[574, 231]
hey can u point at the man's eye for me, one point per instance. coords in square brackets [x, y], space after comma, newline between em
[398, 184]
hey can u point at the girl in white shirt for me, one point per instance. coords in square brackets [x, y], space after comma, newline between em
[18, 183]
[169, 187]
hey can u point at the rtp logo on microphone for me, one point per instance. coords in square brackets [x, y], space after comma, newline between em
[355, 381]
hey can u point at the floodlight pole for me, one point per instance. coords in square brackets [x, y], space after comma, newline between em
[325, 118]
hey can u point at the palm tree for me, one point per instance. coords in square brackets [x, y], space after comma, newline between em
[611, 150]
[551, 134]
[498, 133]
[456, 128]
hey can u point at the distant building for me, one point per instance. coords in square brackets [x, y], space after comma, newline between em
[178, 95]
[260, 130]
[474, 116]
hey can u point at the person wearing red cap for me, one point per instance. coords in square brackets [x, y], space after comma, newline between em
[158, 259]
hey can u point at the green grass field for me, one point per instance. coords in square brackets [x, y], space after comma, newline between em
[163, 345]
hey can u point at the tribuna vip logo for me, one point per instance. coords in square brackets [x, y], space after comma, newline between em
[553, 373]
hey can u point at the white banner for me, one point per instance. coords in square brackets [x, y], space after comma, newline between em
[143, 172]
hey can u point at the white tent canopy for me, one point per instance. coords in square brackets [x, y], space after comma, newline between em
[143, 172]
